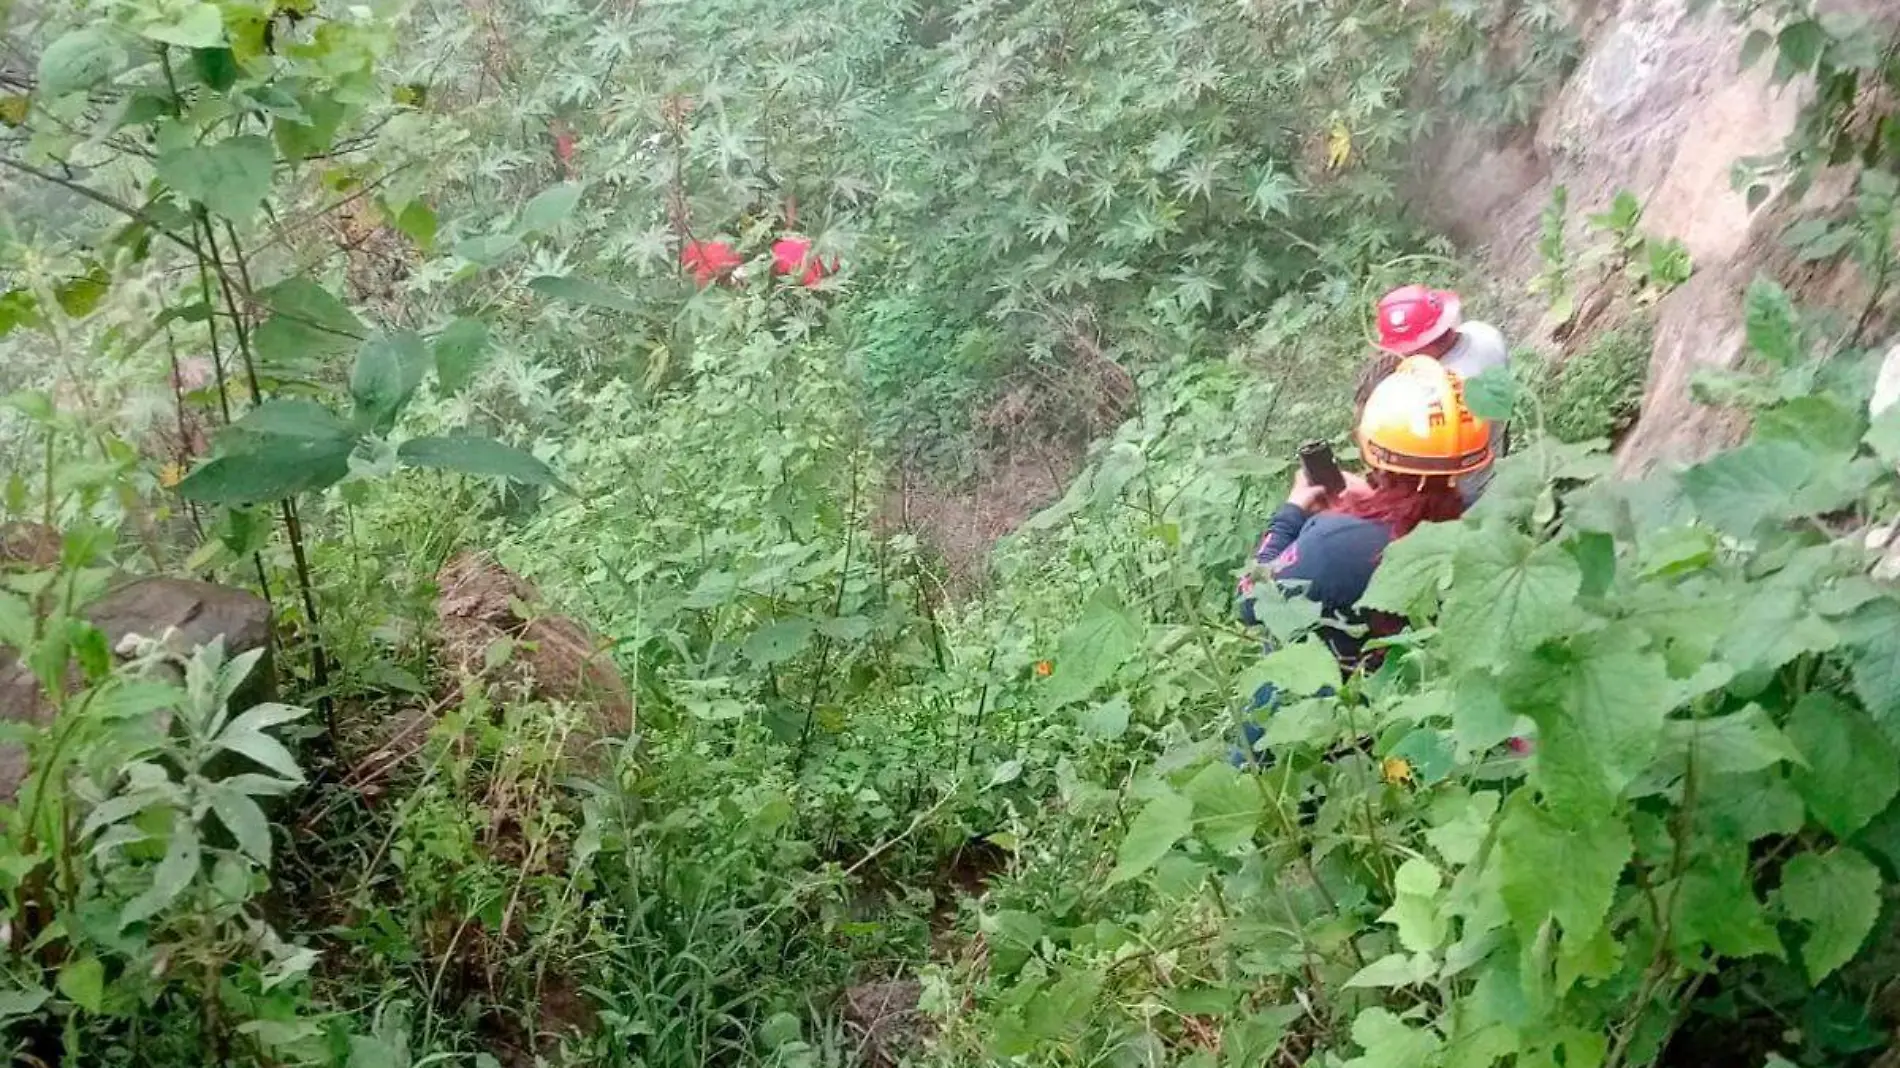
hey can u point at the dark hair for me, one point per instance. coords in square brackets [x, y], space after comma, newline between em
[1402, 502]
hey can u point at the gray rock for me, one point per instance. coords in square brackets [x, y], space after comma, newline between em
[200, 612]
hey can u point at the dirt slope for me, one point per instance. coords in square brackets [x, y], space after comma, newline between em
[1659, 106]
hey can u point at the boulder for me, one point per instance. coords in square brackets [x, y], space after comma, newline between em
[32, 544]
[483, 610]
[199, 612]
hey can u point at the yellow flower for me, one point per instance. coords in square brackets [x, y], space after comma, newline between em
[171, 474]
[1338, 145]
[1396, 770]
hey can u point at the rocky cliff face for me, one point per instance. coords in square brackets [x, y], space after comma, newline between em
[1658, 105]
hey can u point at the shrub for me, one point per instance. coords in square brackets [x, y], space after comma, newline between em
[1598, 392]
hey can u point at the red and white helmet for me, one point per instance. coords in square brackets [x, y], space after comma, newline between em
[1412, 317]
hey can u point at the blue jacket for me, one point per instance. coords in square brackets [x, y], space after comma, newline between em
[1328, 558]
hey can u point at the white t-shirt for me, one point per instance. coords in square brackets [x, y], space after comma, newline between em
[1480, 348]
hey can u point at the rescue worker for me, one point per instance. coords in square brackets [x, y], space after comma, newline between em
[1415, 320]
[1419, 441]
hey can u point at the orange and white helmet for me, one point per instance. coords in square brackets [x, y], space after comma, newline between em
[1416, 423]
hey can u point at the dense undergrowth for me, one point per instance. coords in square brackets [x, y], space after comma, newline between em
[315, 298]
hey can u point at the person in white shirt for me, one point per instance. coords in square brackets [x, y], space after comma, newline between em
[1418, 321]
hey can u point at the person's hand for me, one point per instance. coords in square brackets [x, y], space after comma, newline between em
[1357, 489]
[1311, 498]
[1305, 495]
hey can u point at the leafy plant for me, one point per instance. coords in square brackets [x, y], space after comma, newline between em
[1598, 392]
[1554, 281]
[136, 853]
[1654, 266]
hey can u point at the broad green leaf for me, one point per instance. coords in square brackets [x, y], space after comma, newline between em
[1414, 570]
[1119, 466]
[778, 641]
[1090, 651]
[1460, 823]
[264, 716]
[230, 178]
[1422, 927]
[264, 749]
[368, 1051]
[1227, 807]
[1676, 551]
[388, 369]
[269, 469]
[1254, 1039]
[1107, 720]
[16, 621]
[1715, 905]
[1479, 717]
[1432, 754]
[1390, 1042]
[241, 816]
[169, 877]
[1852, 769]
[846, 628]
[1007, 772]
[1836, 896]
[1771, 627]
[80, 60]
[581, 291]
[488, 249]
[198, 25]
[1747, 807]
[83, 982]
[1304, 723]
[1599, 701]
[1492, 394]
[1883, 435]
[549, 208]
[310, 129]
[1820, 421]
[1508, 594]
[1535, 845]
[471, 455]
[1773, 327]
[1299, 670]
[251, 784]
[1871, 633]
[294, 418]
[1719, 745]
[307, 327]
[216, 67]
[1800, 45]
[1740, 489]
[17, 1003]
[1163, 821]
[78, 296]
[418, 223]
[19, 307]
[1394, 969]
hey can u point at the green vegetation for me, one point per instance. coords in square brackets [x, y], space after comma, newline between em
[1598, 392]
[354, 305]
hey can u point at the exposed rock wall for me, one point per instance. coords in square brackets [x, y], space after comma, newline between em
[1658, 105]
